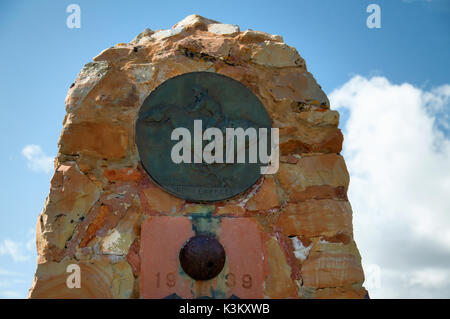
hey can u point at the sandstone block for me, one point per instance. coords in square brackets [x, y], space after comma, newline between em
[97, 276]
[142, 73]
[115, 91]
[155, 200]
[101, 140]
[309, 172]
[299, 87]
[346, 292]
[194, 21]
[265, 198]
[253, 36]
[119, 239]
[319, 117]
[306, 139]
[316, 217]
[65, 207]
[328, 269]
[223, 29]
[275, 54]
[123, 175]
[89, 77]
[146, 33]
[230, 210]
[279, 283]
[113, 53]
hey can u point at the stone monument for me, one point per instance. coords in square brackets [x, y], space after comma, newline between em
[131, 224]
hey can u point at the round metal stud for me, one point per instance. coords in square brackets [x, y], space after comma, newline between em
[202, 257]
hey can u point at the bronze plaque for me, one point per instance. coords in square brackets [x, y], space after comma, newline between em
[195, 102]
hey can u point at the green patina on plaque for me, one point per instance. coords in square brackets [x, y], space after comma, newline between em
[219, 102]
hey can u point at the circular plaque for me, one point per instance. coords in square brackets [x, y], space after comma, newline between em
[215, 101]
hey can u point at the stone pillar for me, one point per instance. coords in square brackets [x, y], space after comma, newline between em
[289, 236]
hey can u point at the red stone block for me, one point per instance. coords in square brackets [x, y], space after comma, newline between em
[244, 275]
[161, 240]
[124, 175]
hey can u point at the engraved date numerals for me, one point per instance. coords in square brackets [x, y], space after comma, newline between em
[245, 280]
[170, 279]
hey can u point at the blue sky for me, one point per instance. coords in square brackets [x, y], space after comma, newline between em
[41, 57]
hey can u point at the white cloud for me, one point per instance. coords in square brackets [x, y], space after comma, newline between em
[397, 150]
[37, 160]
[19, 251]
[11, 294]
[16, 250]
[430, 278]
[11, 282]
[13, 285]
[5, 272]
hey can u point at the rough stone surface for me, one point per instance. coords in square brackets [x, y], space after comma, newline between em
[223, 29]
[266, 197]
[316, 217]
[100, 279]
[288, 236]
